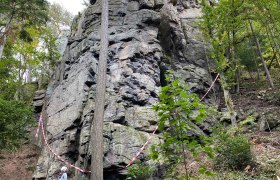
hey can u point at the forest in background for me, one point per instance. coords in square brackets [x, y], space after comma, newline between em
[31, 34]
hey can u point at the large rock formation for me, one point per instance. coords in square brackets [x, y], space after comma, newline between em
[147, 37]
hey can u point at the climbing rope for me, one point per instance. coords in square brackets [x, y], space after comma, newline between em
[210, 87]
[41, 124]
[142, 148]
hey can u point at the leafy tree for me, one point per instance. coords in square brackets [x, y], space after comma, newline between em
[22, 58]
[232, 153]
[60, 19]
[227, 26]
[8, 74]
[15, 118]
[261, 54]
[246, 54]
[140, 171]
[19, 14]
[229, 21]
[179, 111]
[30, 55]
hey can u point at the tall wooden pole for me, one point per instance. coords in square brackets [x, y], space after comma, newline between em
[97, 126]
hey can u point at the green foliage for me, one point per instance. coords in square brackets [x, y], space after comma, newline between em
[32, 29]
[31, 50]
[59, 16]
[233, 150]
[140, 171]
[273, 97]
[249, 120]
[226, 28]
[28, 92]
[21, 64]
[179, 111]
[33, 12]
[7, 78]
[15, 118]
[247, 56]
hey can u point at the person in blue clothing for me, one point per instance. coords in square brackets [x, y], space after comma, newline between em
[64, 173]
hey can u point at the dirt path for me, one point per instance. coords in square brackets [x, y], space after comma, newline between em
[19, 165]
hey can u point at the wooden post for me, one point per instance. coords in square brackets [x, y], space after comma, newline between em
[97, 125]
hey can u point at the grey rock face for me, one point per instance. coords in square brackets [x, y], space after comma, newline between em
[147, 37]
[38, 100]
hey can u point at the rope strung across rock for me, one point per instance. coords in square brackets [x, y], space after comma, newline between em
[210, 87]
[142, 148]
[41, 124]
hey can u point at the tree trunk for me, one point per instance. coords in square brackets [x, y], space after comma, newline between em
[261, 56]
[270, 64]
[97, 125]
[4, 37]
[275, 43]
[234, 60]
[227, 98]
[29, 75]
[3, 42]
[230, 106]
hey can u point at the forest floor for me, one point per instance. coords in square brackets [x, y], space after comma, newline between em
[263, 105]
[20, 164]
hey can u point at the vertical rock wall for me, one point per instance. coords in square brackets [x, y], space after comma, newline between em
[147, 37]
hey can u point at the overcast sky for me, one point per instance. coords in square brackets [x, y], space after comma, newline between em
[73, 6]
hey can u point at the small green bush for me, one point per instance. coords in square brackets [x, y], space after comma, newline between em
[275, 98]
[140, 171]
[233, 152]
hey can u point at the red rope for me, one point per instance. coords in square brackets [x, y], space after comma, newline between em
[210, 87]
[142, 148]
[41, 124]
[55, 154]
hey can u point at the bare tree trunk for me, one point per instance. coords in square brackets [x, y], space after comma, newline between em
[227, 97]
[228, 101]
[97, 125]
[234, 60]
[3, 38]
[275, 43]
[261, 56]
[270, 64]
[3, 42]
[29, 75]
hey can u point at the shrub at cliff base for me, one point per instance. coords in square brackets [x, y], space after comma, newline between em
[233, 152]
[15, 117]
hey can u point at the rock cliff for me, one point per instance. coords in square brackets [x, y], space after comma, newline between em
[146, 38]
